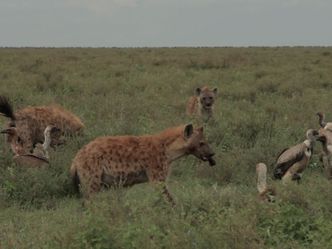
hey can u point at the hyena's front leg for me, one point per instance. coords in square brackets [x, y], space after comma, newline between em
[162, 187]
[159, 180]
[167, 194]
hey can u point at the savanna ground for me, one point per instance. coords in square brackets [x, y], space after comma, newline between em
[268, 98]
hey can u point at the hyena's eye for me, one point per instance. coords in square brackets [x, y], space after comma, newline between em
[210, 98]
[201, 144]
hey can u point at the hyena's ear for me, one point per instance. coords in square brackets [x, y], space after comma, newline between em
[198, 91]
[215, 90]
[188, 131]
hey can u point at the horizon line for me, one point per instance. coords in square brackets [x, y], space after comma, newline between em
[172, 47]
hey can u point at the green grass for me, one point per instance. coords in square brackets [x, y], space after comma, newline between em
[268, 98]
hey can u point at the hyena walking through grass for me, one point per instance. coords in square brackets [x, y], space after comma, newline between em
[129, 160]
[30, 123]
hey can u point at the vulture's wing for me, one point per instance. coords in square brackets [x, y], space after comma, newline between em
[287, 158]
[328, 126]
[327, 134]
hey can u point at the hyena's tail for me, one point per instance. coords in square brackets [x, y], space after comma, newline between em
[6, 109]
[75, 179]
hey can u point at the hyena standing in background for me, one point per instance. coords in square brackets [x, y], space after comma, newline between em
[128, 160]
[30, 122]
[202, 104]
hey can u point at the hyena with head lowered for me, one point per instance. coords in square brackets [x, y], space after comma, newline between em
[30, 122]
[202, 103]
[128, 160]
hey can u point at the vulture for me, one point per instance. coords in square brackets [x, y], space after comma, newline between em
[39, 157]
[265, 193]
[325, 137]
[292, 161]
[41, 150]
[325, 125]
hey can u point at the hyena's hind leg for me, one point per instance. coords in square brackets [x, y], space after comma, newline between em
[90, 183]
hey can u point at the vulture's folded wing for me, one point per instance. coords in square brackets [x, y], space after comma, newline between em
[287, 158]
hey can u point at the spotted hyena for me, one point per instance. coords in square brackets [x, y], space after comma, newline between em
[30, 123]
[201, 104]
[129, 160]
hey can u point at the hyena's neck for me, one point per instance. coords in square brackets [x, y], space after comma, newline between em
[173, 143]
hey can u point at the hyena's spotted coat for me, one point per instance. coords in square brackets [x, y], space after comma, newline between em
[202, 103]
[31, 122]
[128, 160]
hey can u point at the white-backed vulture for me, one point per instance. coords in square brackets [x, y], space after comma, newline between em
[325, 125]
[39, 157]
[265, 192]
[41, 150]
[325, 137]
[292, 161]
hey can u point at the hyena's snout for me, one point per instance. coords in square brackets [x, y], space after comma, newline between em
[207, 102]
[206, 154]
[199, 147]
[210, 159]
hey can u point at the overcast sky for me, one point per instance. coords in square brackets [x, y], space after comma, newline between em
[155, 23]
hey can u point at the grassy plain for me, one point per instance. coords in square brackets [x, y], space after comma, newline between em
[268, 98]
